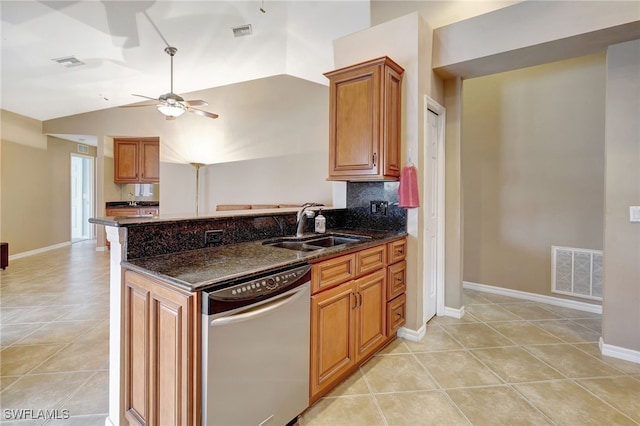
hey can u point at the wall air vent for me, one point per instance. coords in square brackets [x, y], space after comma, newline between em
[576, 272]
[83, 149]
[69, 61]
[243, 30]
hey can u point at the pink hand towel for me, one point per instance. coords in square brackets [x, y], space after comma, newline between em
[408, 189]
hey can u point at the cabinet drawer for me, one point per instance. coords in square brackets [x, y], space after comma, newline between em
[149, 210]
[396, 279]
[370, 259]
[397, 250]
[332, 272]
[122, 211]
[396, 314]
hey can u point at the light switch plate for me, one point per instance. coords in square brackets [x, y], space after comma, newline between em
[634, 213]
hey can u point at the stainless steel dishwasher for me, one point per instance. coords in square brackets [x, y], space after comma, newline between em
[255, 350]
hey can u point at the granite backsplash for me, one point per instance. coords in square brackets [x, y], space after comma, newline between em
[152, 239]
[359, 197]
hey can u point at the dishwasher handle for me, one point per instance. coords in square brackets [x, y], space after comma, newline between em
[284, 299]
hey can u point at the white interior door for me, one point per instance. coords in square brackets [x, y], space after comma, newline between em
[433, 213]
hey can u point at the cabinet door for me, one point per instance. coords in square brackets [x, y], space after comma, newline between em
[354, 120]
[371, 324]
[149, 161]
[162, 355]
[332, 337]
[126, 160]
[392, 122]
[137, 301]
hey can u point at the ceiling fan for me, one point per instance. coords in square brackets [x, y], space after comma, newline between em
[172, 105]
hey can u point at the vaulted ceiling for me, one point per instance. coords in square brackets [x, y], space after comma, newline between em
[120, 48]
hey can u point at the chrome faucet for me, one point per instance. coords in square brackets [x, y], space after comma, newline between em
[302, 214]
[132, 202]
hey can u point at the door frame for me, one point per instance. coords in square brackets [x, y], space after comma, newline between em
[435, 107]
[92, 201]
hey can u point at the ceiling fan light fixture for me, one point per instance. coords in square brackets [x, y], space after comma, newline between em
[175, 110]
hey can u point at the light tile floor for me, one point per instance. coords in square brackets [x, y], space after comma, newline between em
[54, 336]
[506, 362]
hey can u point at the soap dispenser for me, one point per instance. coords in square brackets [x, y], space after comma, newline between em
[321, 223]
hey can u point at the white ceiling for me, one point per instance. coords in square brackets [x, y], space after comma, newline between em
[124, 54]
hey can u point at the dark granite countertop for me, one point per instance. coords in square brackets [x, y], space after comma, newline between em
[126, 221]
[125, 204]
[205, 268]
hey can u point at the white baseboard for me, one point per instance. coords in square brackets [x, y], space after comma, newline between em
[556, 301]
[413, 335]
[38, 251]
[618, 352]
[453, 312]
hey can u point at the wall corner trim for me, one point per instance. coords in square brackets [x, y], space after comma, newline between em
[517, 294]
[618, 352]
[413, 335]
[453, 312]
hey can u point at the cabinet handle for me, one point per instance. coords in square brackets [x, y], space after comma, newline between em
[375, 155]
[399, 279]
[399, 251]
[355, 298]
[360, 304]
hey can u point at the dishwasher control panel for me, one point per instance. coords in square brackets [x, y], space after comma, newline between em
[261, 286]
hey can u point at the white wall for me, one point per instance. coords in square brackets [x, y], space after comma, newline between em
[280, 117]
[533, 170]
[621, 316]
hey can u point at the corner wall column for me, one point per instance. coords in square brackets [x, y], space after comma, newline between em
[117, 237]
[453, 199]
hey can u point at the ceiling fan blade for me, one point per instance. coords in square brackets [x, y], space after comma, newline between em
[138, 105]
[196, 102]
[143, 96]
[202, 113]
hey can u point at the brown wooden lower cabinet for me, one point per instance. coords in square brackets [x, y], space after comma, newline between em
[350, 312]
[162, 353]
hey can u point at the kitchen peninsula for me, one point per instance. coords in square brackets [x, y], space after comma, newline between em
[161, 265]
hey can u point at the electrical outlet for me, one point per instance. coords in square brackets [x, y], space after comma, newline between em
[379, 207]
[212, 237]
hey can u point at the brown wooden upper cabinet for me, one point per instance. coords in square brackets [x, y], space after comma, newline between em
[365, 120]
[136, 160]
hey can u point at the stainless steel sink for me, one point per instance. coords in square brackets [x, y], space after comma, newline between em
[332, 241]
[294, 245]
[314, 243]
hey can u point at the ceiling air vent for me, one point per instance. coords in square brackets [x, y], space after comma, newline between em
[69, 61]
[243, 30]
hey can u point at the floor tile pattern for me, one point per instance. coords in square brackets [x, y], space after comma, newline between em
[54, 336]
[506, 362]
